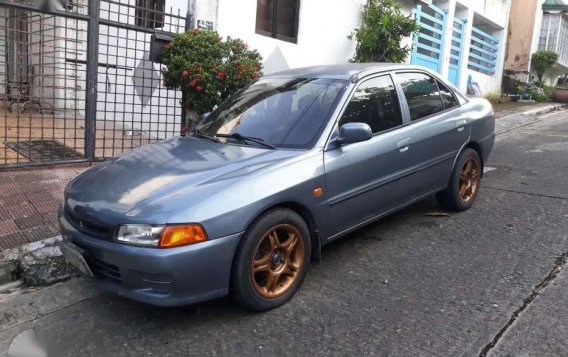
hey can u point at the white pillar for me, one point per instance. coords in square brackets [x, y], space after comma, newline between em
[502, 37]
[465, 50]
[449, 26]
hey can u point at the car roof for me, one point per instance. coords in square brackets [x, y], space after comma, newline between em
[346, 71]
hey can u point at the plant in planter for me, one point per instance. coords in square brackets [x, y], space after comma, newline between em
[533, 92]
[207, 69]
[381, 32]
[560, 94]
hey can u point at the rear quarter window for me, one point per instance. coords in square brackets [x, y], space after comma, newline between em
[421, 93]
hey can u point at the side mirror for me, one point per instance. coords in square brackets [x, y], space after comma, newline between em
[354, 133]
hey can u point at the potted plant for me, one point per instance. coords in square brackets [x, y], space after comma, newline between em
[207, 70]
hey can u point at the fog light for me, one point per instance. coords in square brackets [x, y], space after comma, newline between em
[178, 235]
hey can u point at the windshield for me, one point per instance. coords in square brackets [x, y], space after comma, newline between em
[287, 113]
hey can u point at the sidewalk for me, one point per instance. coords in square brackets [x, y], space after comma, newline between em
[29, 198]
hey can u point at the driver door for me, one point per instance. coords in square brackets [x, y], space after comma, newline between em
[367, 179]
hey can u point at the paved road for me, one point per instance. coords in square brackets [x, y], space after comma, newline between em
[486, 281]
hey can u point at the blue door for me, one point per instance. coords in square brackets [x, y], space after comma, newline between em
[429, 40]
[456, 52]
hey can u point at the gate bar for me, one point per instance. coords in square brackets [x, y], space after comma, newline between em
[92, 73]
[18, 5]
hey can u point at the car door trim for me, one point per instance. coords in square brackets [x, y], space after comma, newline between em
[403, 109]
[357, 191]
[381, 215]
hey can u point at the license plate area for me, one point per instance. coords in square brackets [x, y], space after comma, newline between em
[75, 255]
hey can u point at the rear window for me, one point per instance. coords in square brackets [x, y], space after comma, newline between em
[422, 94]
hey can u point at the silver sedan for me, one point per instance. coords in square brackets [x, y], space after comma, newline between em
[244, 201]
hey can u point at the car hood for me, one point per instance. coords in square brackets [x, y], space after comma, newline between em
[137, 186]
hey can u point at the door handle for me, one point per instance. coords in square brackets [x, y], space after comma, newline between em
[404, 144]
[461, 124]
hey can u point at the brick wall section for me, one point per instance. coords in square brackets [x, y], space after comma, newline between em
[29, 200]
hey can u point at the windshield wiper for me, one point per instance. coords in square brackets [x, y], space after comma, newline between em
[244, 139]
[200, 134]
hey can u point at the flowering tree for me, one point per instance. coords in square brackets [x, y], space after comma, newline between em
[207, 69]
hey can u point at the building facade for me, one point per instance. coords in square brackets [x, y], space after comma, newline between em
[458, 38]
[78, 83]
[553, 36]
[536, 25]
[523, 40]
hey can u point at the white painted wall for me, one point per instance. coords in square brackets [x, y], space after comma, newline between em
[322, 35]
[491, 16]
[325, 24]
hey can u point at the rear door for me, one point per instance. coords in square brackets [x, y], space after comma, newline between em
[368, 178]
[439, 126]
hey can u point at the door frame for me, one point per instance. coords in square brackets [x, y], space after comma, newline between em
[330, 144]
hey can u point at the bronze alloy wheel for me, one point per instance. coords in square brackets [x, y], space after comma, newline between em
[277, 261]
[469, 180]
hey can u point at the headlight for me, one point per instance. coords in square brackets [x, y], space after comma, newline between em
[168, 236]
[139, 234]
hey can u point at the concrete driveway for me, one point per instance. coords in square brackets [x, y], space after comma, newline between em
[486, 281]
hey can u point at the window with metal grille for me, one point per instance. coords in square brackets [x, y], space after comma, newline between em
[278, 19]
[483, 52]
[150, 13]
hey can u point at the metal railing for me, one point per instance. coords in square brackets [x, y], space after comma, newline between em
[483, 52]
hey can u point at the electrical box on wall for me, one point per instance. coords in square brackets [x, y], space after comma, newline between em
[157, 43]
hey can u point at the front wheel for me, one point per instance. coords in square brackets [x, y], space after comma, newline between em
[271, 261]
[464, 183]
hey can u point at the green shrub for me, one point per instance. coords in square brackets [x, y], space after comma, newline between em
[207, 69]
[537, 91]
[542, 61]
[493, 97]
[383, 28]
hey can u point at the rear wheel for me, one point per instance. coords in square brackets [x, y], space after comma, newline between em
[271, 261]
[464, 183]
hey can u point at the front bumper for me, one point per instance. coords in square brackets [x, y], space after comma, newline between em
[164, 277]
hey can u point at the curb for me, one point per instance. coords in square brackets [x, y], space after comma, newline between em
[513, 121]
[36, 264]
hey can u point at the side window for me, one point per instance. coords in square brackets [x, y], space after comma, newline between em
[150, 13]
[421, 94]
[278, 19]
[375, 102]
[448, 96]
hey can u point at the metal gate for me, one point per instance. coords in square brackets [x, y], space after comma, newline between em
[456, 51]
[429, 40]
[76, 81]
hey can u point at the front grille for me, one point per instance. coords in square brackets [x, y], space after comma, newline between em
[88, 228]
[105, 270]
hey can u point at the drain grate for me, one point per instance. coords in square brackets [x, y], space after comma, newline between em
[40, 150]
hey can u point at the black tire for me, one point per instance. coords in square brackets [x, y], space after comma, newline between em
[248, 293]
[451, 198]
